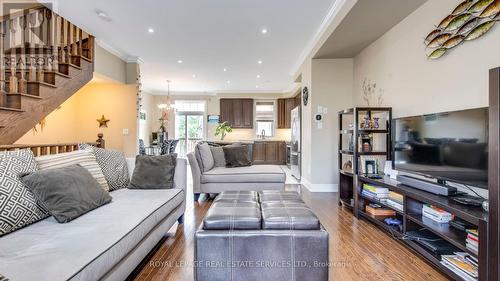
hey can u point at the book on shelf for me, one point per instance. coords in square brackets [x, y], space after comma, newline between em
[436, 214]
[396, 197]
[394, 204]
[376, 189]
[461, 266]
[378, 211]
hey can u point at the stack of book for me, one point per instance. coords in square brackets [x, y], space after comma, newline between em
[378, 212]
[436, 214]
[462, 265]
[472, 241]
[376, 193]
[395, 201]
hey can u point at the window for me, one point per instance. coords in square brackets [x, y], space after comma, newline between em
[190, 106]
[264, 118]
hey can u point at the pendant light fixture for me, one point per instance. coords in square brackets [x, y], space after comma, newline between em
[167, 106]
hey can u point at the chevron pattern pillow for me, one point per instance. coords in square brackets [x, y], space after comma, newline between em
[83, 157]
[18, 206]
[113, 165]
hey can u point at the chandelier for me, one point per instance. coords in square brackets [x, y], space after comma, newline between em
[167, 106]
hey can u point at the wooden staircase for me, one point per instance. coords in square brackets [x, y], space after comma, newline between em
[45, 60]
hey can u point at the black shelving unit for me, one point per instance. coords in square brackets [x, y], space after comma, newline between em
[348, 196]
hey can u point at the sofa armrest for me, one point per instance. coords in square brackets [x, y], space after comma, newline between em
[196, 172]
[180, 177]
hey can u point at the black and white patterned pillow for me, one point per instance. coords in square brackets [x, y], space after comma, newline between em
[113, 165]
[18, 206]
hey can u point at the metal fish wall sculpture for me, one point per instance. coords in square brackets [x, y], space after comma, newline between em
[470, 20]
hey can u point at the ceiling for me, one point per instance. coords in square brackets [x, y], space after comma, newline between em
[365, 23]
[208, 36]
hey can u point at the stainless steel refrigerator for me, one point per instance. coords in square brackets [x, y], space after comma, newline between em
[295, 157]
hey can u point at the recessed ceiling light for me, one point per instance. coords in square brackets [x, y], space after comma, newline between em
[258, 76]
[264, 31]
[103, 15]
[225, 69]
[179, 61]
[229, 82]
[194, 75]
[257, 86]
[150, 30]
[259, 62]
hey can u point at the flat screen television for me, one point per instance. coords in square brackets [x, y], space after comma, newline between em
[450, 146]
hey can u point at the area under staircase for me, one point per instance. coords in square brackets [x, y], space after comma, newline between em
[45, 60]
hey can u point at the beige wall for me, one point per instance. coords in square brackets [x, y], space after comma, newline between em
[415, 85]
[110, 65]
[332, 84]
[75, 121]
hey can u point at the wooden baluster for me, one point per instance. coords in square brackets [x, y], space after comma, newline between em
[101, 143]
[22, 81]
[13, 81]
[68, 41]
[74, 47]
[3, 96]
[52, 39]
[42, 62]
[62, 55]
[91, 47]
[80, 43]
[30, 46]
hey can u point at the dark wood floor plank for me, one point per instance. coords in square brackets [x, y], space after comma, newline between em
[358, 249]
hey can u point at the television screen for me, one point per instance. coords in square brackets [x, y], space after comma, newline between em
[449, 146]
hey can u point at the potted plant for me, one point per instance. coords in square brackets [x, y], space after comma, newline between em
[222, 130]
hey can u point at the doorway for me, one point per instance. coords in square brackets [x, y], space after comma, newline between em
[189, 125]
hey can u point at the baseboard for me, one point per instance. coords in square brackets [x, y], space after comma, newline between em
[320, 187]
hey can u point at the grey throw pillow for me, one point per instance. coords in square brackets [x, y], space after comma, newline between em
[113, 165]
[204, 156]
[153, 172]
[218, 155]
[236, 156]
[67, 192]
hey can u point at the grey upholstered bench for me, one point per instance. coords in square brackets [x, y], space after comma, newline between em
[247, 236]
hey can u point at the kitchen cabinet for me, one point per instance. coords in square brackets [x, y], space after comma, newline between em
[285, 107]
[238, 113]
[269, 152]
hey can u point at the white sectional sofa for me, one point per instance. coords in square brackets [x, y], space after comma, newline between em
[105, 244]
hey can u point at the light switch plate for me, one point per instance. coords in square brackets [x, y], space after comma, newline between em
[125, 132]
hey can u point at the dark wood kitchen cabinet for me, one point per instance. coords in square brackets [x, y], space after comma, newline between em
[238, 113]
[269, 152]
[285, 107]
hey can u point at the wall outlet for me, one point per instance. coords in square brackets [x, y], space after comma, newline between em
[125, 132]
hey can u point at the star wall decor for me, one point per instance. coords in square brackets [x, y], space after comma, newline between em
[103, 122]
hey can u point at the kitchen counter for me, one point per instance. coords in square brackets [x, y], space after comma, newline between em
[263, 151]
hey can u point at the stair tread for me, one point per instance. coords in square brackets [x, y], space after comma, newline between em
[11, 109]
[24, 95]
[82, 57]
[70, 64]
[58, 73]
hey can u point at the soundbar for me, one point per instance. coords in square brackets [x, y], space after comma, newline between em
[432, 187]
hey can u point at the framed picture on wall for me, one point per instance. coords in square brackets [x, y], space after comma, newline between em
[142, 115]
[213, 119]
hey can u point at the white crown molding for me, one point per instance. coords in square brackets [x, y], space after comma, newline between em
[279, 92]
[134, 59]
[316, 187]
[122, 55]
[332, 13]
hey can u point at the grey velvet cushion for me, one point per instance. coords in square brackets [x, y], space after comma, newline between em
[18, 206]
[153, 172]
[236, 156]
[218, 155]
[204, 156]
[67, 192]
[113, 165]
[254, 173]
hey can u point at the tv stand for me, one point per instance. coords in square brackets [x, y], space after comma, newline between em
[439, 188]
[413, 219]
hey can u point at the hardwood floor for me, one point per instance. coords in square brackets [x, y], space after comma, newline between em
[358, 249]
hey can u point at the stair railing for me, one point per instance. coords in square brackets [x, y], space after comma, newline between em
[36, 41]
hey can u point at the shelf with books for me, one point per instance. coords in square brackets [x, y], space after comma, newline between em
[380, 223]
[382, 203]
[443, 230]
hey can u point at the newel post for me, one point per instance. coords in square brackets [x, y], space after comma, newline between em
[101, 143]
